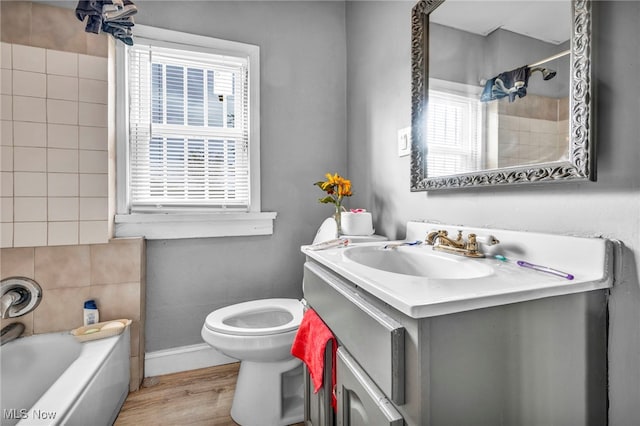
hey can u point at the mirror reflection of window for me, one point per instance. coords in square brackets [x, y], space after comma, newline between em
[454, 133]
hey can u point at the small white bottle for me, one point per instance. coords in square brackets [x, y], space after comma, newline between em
[91, 314]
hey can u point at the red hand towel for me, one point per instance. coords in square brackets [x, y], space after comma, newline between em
[309, 345]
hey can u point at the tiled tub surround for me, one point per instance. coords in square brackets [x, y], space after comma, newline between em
[113, 274]
[532, 129]
[54, 175]
[54, 147]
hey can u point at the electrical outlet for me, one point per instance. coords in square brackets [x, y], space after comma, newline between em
[404, 141]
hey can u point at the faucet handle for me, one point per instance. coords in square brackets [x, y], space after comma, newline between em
[489, 240]
[472, 243]
[19, 296]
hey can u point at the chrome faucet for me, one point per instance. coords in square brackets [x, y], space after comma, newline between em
[11, 332]
[441, 241]
[18, 296]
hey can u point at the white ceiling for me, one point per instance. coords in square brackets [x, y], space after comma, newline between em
[549, 21]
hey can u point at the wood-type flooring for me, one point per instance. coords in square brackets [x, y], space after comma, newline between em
[198, 397]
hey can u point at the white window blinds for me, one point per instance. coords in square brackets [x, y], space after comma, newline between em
[188, 130]
[454, 137]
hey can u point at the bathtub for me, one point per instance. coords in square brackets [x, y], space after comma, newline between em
[51, 379]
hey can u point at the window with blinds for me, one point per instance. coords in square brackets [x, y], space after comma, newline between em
[188, 130]
[454, 137]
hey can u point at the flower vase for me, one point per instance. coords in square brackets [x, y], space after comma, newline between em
[338, 217]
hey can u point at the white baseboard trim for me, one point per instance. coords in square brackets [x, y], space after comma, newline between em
[183, 358]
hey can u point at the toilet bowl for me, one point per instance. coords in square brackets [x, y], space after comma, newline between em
[259, 330]
[260, 333]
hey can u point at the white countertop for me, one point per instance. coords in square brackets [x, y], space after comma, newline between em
[590, 260]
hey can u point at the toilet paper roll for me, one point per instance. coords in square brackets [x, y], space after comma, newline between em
[357, 223]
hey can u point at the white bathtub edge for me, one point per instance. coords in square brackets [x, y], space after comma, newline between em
[62, 398]
[183, 358]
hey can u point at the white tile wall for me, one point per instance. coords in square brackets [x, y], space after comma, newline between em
[62, 112]
[6, 209]
[94, 91]
[26, 108]
[28, 159]
[6, 158]
[94, 115]
[62, 87]
[28, 58]
[93, 208]
[26, 83]
[65, 209]
[6, 184]
[29, 234]
[6, 234]
[62, 160]
[93, 138]
[54, 148]
[6, 109]
[91, 231]
[29, 134]
[63, 233]
[6, 133]
[62, 136]
[29, 184]
[527, 140]
[93, 161]
[63, 185]
[93, 67]
[30, 209]
[94, 185]
[6, 81]
[5, 55]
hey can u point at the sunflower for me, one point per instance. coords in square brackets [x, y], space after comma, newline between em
[336, 188]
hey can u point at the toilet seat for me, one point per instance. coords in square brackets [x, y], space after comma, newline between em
[257, 317]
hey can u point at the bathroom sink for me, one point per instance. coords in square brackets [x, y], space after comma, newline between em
[418, 261]
[421, 282]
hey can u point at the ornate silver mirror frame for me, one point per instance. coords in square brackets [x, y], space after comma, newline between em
[582, 156]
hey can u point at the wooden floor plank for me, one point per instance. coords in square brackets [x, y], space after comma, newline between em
[196, 397]
[200, 397]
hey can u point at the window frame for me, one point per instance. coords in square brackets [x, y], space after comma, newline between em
[188, 222]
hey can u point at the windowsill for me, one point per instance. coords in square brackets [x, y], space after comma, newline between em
[156, 226]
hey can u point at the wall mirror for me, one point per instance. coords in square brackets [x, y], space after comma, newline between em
[501, 93]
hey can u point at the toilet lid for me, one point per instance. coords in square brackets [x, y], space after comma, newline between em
[257, 317]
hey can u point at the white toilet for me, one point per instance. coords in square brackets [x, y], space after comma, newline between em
[259, 333]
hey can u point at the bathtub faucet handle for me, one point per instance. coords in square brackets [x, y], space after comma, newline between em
[8, 299]
[18, 296]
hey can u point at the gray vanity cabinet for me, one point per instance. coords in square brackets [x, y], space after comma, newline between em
[370, 361]
[536, 362]
[360, 402]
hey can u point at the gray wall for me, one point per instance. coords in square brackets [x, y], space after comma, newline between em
[378, 96]
[303, 120]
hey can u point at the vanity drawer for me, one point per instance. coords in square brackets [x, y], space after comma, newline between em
[373, 338]
[360, 402]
